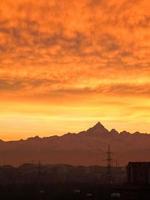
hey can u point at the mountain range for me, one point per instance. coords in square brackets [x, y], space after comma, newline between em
[84, 148]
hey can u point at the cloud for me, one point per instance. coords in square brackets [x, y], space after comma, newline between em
[54, 88]
[111, 90]
[74, 51]
[10, 86]
[87, 35]
[14, 85]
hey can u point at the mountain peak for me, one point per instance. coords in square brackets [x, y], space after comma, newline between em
[34, 138]
[98, 125]
[98, 129]
[114, 132]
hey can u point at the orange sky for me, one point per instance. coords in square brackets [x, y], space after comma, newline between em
[65, 65]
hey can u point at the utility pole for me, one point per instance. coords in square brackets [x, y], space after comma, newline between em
[109, 165]
[39, 173]
[41, 191]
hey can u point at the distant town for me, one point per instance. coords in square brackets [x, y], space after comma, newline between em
[43, 182]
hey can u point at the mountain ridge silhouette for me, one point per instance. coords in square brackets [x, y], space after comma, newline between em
[85, 148]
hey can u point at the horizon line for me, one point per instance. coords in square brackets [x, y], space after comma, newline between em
[75, 133]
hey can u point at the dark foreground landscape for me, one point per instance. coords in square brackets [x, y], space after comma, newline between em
[56, 182]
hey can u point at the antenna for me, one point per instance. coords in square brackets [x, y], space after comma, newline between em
[109, 165]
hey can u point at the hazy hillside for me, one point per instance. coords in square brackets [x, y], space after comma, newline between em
[85, 148]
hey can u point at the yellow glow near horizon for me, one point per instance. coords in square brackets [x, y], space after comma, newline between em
[82, 62]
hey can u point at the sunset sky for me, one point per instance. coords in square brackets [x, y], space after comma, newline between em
[64, 65]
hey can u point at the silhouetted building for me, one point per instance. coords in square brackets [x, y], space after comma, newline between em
[138, 173]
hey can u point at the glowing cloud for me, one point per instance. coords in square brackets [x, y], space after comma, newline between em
[89, 55]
